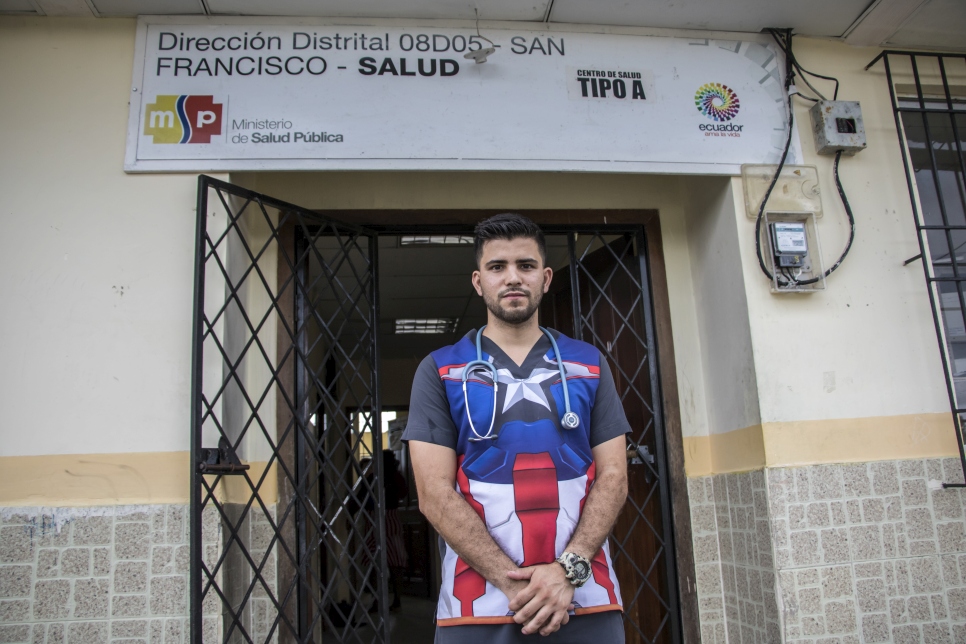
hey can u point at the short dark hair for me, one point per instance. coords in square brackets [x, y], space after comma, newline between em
[508, 225]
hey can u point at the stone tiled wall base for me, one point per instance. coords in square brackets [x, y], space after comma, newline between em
[102, 574]
[867, 553]
[831, 554]
[733, 558]
[235, 577]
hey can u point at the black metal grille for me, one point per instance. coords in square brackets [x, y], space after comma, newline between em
[286, 540]
[928, 94]
[609, 305]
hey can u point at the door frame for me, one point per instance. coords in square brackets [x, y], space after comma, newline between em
[386, 222]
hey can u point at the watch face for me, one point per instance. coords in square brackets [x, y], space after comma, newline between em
[578, 569]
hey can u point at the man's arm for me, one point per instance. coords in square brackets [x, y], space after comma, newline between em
[434, 467]
[537, 606]
[605, 500]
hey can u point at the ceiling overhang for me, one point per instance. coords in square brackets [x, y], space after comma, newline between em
[918, 24]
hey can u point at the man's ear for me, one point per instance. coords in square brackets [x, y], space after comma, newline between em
[476, 282]
[547, 278]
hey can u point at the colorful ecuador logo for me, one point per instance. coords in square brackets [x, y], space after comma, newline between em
[183, 119]
[716, 101]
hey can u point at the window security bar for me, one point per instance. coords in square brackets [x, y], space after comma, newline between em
[928, 94]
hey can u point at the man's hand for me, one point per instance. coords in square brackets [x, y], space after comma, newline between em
[513, 586]
[543, 604]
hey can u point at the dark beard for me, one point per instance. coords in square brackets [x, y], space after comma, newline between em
[514, 315]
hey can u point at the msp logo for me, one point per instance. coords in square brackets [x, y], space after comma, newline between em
[183, 119]
[716, 101]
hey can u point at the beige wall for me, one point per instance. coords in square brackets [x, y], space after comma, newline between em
[97, 264]
[724, 332]
[872, 329]
[98, 277]
[866, 348]
[853, 373]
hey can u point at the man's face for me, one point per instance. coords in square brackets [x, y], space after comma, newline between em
[512, 278]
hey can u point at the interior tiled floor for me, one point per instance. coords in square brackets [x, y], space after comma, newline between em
[413, 623]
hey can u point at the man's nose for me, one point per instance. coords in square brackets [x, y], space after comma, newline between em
[512, 276]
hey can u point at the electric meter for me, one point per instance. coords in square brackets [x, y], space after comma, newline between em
[790, 243]
[794, 250]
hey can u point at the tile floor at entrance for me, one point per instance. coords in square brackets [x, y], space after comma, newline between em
[413, 623]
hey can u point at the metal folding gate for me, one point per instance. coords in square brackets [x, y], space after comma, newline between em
[603, 297]
[287, 536]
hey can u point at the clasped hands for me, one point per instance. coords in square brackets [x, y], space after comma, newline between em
[540, 597]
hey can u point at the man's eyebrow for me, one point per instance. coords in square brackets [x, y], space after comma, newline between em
[525, 260]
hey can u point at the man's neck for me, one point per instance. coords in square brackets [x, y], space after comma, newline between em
[516, 340]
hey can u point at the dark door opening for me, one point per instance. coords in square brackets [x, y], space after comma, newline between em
[308, 332]
[600, 295]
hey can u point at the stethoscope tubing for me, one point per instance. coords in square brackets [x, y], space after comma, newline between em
[570, 420]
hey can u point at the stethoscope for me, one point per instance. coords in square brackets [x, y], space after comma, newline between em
[570, 420]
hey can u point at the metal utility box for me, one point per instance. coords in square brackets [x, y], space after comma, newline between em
[837, 126]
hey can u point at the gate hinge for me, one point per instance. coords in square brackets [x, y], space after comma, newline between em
[220, 460]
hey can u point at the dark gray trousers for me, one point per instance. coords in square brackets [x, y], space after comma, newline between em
[599, 628]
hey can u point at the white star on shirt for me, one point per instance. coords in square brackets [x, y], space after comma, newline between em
[526, 389]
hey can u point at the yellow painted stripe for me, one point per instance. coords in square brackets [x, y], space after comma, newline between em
[697, 455]
[94, 479]
[235, 489]
[856, 440]
[77, 480]
[145, 478]
[812, 442]
[741, 450]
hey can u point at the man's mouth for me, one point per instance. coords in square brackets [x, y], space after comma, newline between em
[514, 295]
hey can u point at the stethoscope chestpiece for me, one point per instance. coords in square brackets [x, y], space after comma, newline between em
[570, 420]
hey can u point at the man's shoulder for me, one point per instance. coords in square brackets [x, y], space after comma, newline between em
[451, 356]
[574, 350]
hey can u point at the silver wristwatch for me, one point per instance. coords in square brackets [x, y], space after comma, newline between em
[576, 568]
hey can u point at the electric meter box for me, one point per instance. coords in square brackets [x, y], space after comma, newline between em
[796, 189]
[793, 252]
[838, 127]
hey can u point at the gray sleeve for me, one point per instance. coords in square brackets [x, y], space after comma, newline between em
[429, 418]
[607, 419]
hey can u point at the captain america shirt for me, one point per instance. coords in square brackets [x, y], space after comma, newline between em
[529, 479]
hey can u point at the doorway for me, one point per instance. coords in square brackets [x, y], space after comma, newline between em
[308, 329]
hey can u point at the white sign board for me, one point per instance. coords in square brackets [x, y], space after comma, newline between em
[237, 94]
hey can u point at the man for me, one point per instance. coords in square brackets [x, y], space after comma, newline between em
[521, 473]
